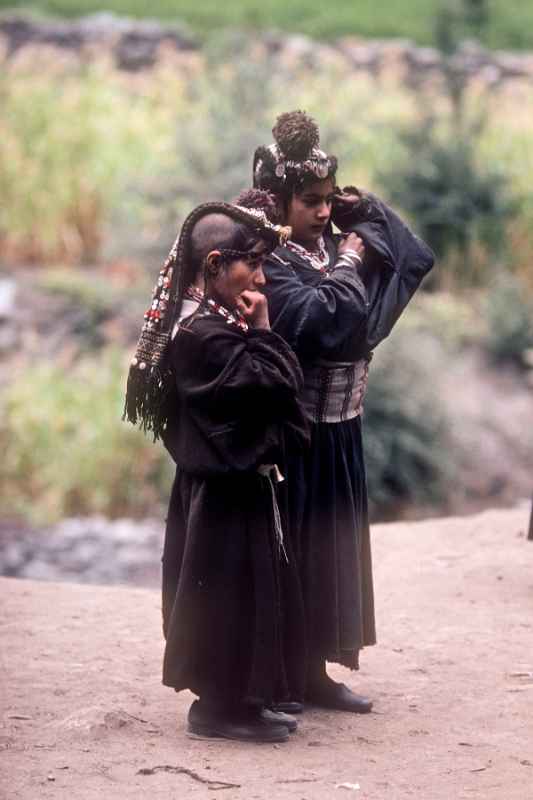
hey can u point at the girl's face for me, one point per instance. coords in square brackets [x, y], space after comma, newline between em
[227, 281]
[309, 212]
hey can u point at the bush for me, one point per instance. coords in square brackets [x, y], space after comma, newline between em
[91, 307]
[408, 452]
[509, 315]
[67, 146]
[461, 208]
[66, 451]
[456, 322]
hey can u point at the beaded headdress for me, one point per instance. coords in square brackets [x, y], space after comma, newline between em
[149, 379]
[294, 156]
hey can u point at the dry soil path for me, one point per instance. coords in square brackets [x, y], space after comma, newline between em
[84, 715]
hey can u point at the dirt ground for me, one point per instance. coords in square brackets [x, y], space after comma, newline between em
[84, 714]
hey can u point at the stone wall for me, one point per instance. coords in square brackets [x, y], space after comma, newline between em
[134, 45]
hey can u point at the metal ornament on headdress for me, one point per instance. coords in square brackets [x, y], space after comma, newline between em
[317, 163]
[282, 232]
[322, 168]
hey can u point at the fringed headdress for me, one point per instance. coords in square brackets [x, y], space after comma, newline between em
[294, 157]
[150, 381]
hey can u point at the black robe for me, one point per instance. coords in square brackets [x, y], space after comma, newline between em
[224, 580]
[339, 317]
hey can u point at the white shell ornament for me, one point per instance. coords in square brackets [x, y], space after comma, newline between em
[322, 169]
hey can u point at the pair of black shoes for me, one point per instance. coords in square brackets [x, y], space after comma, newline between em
[243, 724]
[326, 693]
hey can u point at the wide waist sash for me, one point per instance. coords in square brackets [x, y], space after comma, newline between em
[334, 390]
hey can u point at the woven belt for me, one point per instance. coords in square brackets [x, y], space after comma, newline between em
[334, 391]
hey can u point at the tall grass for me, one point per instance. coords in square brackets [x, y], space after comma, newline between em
[97, 162]
[68, 144]
[65, 451]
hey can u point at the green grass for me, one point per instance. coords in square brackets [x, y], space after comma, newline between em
[65, 450]
[510, 24]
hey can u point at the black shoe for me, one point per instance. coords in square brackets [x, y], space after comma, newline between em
[240, 726]
[288, 707]
[276, 717]
[337, 696]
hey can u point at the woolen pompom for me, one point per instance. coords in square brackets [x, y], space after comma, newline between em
[296, 134]
[261, 199]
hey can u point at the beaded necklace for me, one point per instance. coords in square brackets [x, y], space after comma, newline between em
[210, 306]
[318, 259]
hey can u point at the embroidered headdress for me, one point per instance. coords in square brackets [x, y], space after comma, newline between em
[150, 381]
[294, 157]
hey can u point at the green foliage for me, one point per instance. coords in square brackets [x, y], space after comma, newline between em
[509, 314]
[66, 452]
[67, 145]
[86, 300]
[408, 451]
[222, 119]
[461, 205]
[456, 202]
[510, 24]
[456, 322]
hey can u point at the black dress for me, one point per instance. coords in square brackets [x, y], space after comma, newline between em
[338, 318]
[224, 578]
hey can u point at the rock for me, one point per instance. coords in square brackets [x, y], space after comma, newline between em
[12, 558]
[94, 719]
[40, 571]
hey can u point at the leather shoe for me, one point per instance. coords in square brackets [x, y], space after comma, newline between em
[339, 697]
[272, 717]
[238, 726]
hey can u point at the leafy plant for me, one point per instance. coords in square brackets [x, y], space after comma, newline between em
[66, 452]
[408, 450]
[509, 314]
[67, 145]
[457, 203]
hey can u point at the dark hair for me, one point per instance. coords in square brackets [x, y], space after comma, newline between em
[219, 232]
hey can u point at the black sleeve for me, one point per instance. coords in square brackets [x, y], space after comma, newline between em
[217, 364]
[396, 261]
[239, 394]
[315, 320]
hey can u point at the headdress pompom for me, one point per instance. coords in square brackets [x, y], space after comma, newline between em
[296, 134]
[262, 200]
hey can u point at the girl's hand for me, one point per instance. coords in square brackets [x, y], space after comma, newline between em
[352, 242]
[254, 307]
[346, 200]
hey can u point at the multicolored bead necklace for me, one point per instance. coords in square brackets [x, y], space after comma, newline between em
[318, 259]
[210, 305]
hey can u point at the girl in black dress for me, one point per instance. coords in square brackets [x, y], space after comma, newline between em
[333, 298]
[220, 387]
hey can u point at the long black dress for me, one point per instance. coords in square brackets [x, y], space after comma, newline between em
[338, 318]
[224, 579]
